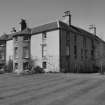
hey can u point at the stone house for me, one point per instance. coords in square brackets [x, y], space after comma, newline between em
[55, 46]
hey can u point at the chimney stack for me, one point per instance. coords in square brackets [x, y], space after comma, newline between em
[67, 17]
[92, 28]
[23, 24]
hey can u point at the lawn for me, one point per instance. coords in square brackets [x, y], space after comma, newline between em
[52, 89]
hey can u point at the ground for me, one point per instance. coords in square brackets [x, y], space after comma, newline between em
[52, 89]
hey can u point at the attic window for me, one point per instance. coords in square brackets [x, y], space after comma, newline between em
[26, 37]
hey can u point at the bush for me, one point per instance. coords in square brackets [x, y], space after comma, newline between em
[52, 72]
[35, 70]
[9, 67]
[38, 69]
[26, 72]
[2, 71]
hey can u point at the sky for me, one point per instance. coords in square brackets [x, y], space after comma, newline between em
[37, 12]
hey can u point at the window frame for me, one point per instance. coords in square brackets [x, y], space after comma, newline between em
[25, 52]
[16, 52]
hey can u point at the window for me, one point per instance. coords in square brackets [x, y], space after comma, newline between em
[84, 42]
[16, 52]
[44, 36]
[25, 52]
[75, 52]
[25, 66]
[67, 51]
[16, 38]
[67, 36]
[92, 42]
[44, 65]
[2, 45]
[16, 65]
[26, 37]
[92, 54]
[67, 43]
[1, 55]
[81, 54]
[75, 39]
[93, 48]
[86, 52]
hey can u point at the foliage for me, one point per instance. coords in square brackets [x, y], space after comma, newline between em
[9, 66]
[38, 69]
[2, 71]
[34, 68]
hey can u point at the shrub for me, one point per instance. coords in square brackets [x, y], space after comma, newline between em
[26, 72]
[2, 71]
[38, 69]
[9, 67]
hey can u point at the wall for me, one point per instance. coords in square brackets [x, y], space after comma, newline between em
[83, 61]
[100, 54]
[9, 50]
[63, 61]
[52, 50]
[20, 59]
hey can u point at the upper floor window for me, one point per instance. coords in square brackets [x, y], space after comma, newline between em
[44, 35]
[92, 42]
[92, 54]
[86, 53]
[67, 36]
[81, 54]
[68, 39]
[26, 37]
[16, 52]
[2, 45]
[1, 55]
[25, 52]
[84, 42]
[75, 39]
[75, 52]
[67, 51]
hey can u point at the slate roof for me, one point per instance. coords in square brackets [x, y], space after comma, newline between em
[45, 27]
[49, 27]
[61, 25]
[79, 30]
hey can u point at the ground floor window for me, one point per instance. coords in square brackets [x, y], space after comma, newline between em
[44, 64]
[25, 65]
[16, 65]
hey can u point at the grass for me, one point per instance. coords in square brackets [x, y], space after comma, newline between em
[52, 89]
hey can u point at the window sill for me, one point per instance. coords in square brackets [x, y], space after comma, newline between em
[26, 57]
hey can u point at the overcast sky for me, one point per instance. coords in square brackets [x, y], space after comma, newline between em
[37, 12]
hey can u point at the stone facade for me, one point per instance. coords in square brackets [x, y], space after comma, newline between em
[21, 58]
